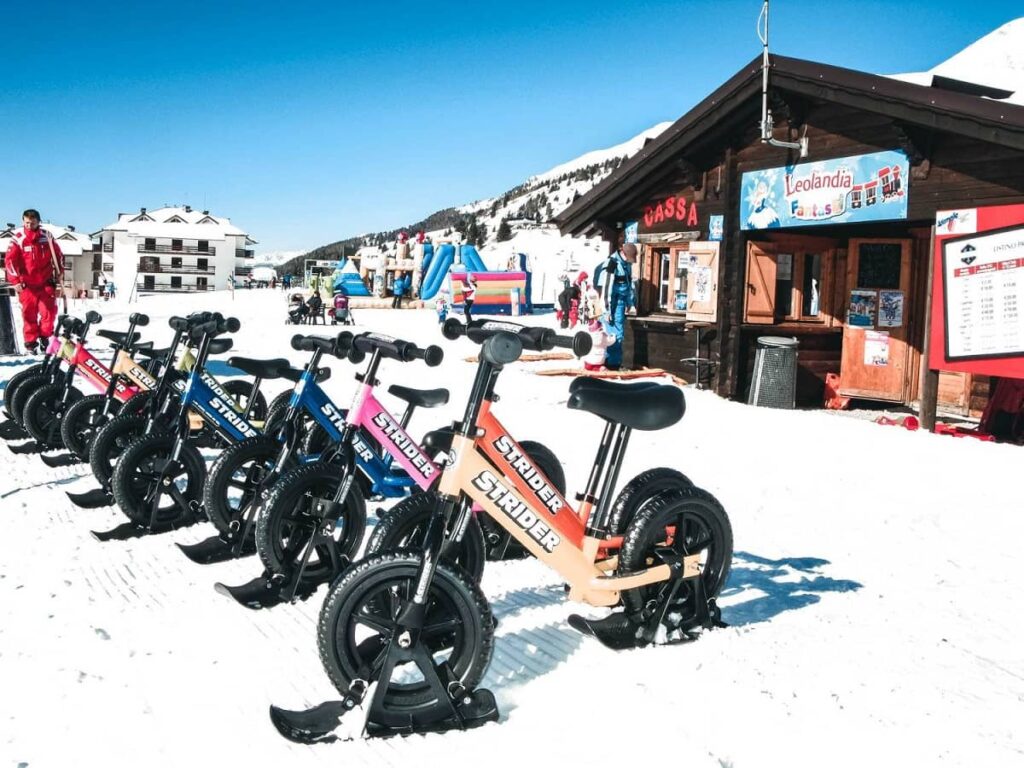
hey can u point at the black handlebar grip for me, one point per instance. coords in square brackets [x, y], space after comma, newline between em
[432, 355]
[229, 325]
[342, 345]
[453, 329]
[93, 317]
[178, 323]
[139, 319]
[297, 340]
[582, 344]
[356, 355]
[501, 348]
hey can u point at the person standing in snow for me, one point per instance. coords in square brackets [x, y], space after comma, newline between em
[615, 277]
[399, 290]
[35, 267]
[469, 295]
[441, 306]
[418, 250]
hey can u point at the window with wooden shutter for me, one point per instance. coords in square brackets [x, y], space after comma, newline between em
[702, 282]
[759, 305]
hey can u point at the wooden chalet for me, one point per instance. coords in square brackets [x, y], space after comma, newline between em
[885, 157]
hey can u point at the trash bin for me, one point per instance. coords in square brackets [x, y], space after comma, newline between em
[774, 382]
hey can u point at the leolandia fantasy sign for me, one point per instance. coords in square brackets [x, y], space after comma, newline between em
[849, 189]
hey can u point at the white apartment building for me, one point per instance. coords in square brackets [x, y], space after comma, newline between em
[174, 249]
[81, 263]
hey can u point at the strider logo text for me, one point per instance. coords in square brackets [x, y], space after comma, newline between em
[509, 503]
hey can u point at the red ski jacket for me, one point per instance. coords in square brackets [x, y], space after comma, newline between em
[29, 261]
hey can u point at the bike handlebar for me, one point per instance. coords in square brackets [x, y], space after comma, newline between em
[396, 349]
[535, 338]
[93, 317]
[187, 323]
[216, 327]
[338, 346]
[138, 319]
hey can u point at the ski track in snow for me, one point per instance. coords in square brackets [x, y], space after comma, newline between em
[872, 603]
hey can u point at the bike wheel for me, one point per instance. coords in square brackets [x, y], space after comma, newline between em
[293, 513]
[137, 404]
[706, 532]
[275, 412]
[404, 526]
[16, 381]
[235, 480]
[640, 491]
[357, 622]
[146, 475]
[110, 442]
[23, 393]
[43, 412]
[83, 420]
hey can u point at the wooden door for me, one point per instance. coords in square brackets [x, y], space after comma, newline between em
[878, 303]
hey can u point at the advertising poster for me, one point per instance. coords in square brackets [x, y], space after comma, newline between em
[876, 348]
[848, 189]
[716, 227]
[701, 283]
[890, 309]
[861, 313]
[984, 294]
[632, 232]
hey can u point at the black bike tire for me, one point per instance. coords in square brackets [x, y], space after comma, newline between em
[395, 528]
[641, 490]
[120, 484]
[647, 528]
[73, 429]
[281, 502]
[42, 410]
[448, 583]
[16, 381]
[218, 479]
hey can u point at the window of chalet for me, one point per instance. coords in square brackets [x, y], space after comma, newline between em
[687, 279]
[791, 283]
[176, 245]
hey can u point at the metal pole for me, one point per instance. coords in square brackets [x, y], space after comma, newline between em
[929, 383]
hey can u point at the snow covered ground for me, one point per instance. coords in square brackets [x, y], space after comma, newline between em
[872, 603]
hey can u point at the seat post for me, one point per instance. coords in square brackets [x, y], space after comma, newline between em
[597, 526]
[407, 416]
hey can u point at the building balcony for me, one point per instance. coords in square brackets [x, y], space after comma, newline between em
[189, 249]
[168, 288]
[244, 253]
[169, 269]
[108, 247]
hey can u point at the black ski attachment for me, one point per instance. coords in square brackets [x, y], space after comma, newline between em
[93, 499]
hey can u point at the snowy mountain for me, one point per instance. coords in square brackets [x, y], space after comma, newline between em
[517, 220]
[996, 60]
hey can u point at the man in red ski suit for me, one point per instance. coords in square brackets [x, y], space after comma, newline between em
[34, 265]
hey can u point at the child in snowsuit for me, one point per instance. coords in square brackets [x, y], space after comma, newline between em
[601, 339]
[441, 305]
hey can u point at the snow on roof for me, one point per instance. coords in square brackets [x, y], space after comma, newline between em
[995, 60]
[71, 243]
[175, 221]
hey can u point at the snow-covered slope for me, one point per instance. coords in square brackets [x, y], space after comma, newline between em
[995, 60]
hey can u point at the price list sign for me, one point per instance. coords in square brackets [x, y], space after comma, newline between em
[984, 294]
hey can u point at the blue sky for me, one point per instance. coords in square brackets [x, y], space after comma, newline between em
[307, 122]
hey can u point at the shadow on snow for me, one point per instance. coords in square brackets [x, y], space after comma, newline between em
[760, 589]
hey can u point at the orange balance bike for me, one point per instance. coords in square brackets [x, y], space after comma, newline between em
[418, 632]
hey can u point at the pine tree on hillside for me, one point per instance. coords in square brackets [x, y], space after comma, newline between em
[504, 231]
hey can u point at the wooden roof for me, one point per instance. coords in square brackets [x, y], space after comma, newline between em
[736, 105]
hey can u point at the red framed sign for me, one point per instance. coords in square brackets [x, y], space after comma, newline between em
[977, 322]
